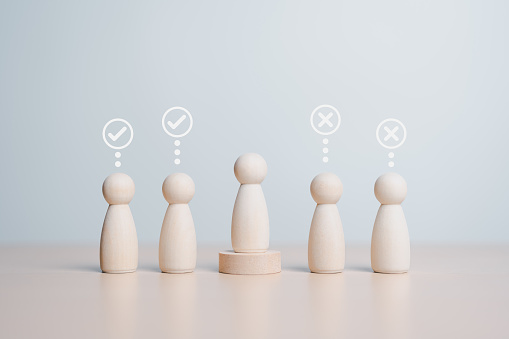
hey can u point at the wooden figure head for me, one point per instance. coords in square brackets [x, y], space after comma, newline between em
[326, 188]
[178, 188]
[118, 189]
[250, 168]
[390, 189]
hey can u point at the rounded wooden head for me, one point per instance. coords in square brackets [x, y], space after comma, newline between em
[118, 189]
[178, 188]
[250, 168]
[326, 188]
[390, 189]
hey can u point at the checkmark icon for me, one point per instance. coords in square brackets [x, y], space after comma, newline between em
[176, 124]
[118, 135]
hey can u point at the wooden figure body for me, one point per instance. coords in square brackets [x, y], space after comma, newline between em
[390, 242]
[177, 243]
[250, 219]
[326, 245]
[119, 242]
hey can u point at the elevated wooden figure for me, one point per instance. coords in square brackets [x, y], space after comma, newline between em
[250, 223]
[119, 242]
[390, 243]
[250, 219]
[177, 244]
[326, 245]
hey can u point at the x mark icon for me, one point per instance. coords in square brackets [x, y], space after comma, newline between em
[325, 119]
[391, 133]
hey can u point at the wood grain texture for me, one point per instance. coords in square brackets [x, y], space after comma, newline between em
[250, 218]
[326, 244]
[390, 242]
[268, 262]
[177, 243]
[119, 241]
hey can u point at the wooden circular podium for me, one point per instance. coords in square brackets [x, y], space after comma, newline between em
[250, 263]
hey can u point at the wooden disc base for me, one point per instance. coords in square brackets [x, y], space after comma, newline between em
[250, 263]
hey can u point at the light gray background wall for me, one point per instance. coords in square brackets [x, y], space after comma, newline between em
[251, 73]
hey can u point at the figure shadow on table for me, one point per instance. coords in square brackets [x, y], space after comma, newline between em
[155, 268]
[359, 269]
[306, 269]
[208, 267]
[149, 268]
[294, 268]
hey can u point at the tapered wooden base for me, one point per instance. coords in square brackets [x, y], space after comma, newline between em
[250, 263]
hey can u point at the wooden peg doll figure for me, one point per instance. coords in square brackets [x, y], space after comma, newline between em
[119, 242]
[177, 244]
[326, 245]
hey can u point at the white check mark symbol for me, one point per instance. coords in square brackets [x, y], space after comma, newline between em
[177, 123]
[118, 135]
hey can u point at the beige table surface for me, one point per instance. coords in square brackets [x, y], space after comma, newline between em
[59, 292]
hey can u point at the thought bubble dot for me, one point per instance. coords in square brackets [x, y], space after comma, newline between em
[117, 163]
[391, 163]
[118, 155]
[177, 142]
[391, 155]
[325, 141]
[177, 161]
[177, 152]
[325, 159]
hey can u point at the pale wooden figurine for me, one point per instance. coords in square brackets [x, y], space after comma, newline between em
[250, 219]
[177, 244]
[390, 243]
[326, 245]
[250, 223]
[119, 242]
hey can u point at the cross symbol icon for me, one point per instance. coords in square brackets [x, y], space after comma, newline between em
[325, 119]
[391, 128]
[391, 133]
